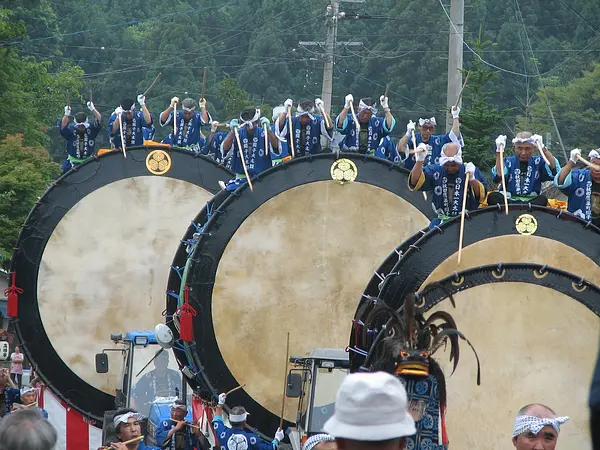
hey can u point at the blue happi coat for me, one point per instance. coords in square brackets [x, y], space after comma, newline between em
[387, 150]
[435, 179]
[537, 172]
[192, 137]
[136, 125]
[213, 146]
[314, 129]
[80, 147]
[162, 429]
[423, 394]
[434, 147]
[11, 396]
[253, 149]
[234, 438]
[148, 133]
[200, 147]
[578, 186]
[283, 147]
[376, 130]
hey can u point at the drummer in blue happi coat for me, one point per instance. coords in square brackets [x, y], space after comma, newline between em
[387, 150]
[8, 395]
[446, 180]
[308, 126]
[372, 128]
[212, 145]
[177, 434]
[426, 135]
[133, 122]
[582, 186]
[80, 136]
[236, 437]
[188, 123]
[523, 172]
[251, 131]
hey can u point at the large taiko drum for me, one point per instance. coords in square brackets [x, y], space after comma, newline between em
[293, 255]
[526, 297]
[93, 259]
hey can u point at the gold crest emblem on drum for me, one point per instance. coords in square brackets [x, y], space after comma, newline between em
[344, 171]
[158, 162]
[526, 224]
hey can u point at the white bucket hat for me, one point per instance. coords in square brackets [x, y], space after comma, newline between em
[371, 407]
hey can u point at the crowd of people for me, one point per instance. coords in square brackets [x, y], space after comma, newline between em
[254, 143]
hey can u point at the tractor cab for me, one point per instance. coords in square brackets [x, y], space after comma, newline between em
[314, 380]
[149, 377]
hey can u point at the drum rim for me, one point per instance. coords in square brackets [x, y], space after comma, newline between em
[403, 278]
[54, 372]
[208, 372]
[567, 283]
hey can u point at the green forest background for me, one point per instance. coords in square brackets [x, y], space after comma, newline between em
[523, 56]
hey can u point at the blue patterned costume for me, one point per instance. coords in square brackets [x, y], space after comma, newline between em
[434, 147]
[237, 439]
[524, 186]
[188, 133]
[375, 129]
[79, 147]
[132, 130]
[583, 193]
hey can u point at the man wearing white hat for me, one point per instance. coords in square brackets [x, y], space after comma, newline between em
[236, 437]
[371, 411]
[536, 428]
[321, 441]
[582, 186]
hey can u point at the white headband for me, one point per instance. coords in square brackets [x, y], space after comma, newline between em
[85, 124]
[424, 121]
[446, 159]
[528, 140]
[28, 390]
[308, 112]
[132, 109]
[193, 108]
[178, 406]
[238, 418]
[124, 418]
[250, 122]
[594, 154]
[535, 424]
[362, 106]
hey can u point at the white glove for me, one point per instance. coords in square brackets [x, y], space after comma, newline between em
[202, 103]
[279, 434]
[410, 127]
[118, 111]
[500, 142]
[222, 398]
[91, 106]
[455, 112]
[349, 99]
[141, 99]
[67, 110]
[288, 103]
[538, 140]
[233, 123]
[574, 154]
[470, 168]
[384, 102]
[265, 121]
[319, 104]
[173, 101]
[214, 125]
[421, 152]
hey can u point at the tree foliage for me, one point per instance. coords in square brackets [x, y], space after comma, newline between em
[25, 172]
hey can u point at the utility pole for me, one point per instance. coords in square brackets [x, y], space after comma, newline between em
[455, 56]
[332, 20]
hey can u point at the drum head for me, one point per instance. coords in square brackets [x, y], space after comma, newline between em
[93, 259]
[536, 344]
[291, 256]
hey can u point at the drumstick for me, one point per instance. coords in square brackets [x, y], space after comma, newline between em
[356, 122]
[203, 83]
[266, 130]
[503, 179]
[122, 135]
[174, 119]
[387, 88]
[68, 98]
[587, 163]
[153, 83]
[188, 424]
[541, 150]
[414, 141]
[462, 217]
[462, 89]
[325, 117]
[291, 130]
[287, 357]
[239, 143]
[91, 96]
[235, 389]
[130, 441]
